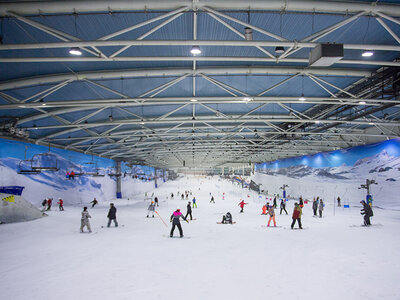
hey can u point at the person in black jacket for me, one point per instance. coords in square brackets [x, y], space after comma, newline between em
[176, 215]
[112, 215]
[367, 212]
[283, 206]
[227, 219]
[189, 211]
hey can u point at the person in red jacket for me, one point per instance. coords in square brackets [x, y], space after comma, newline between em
[296, 215]
[49, 201]
[242, 204]
[60, 204]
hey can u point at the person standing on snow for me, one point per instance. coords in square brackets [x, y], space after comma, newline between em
[274, 203]
[367, 212]
[155, 201]
[194, 202]
[112, 215]
[189, 211]
[242, 204]
[271, 212]
[315, 206]
[283, 206]
[94, 202]
[85, 220]
[264, 210]
[151, 209]
[301, 202]
[296, 215]
[176, 215]
[212, 199]
[44, 203]
[60, 204]
[338, 202]
[320, 207]
[49, 201]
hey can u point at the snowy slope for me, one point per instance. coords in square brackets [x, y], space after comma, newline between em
[49, 259]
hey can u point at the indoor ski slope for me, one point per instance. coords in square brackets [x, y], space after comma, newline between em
[329, 259]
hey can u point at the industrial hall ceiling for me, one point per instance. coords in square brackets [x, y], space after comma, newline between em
[199, 83]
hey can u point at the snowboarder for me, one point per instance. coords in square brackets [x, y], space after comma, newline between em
[227, 219]
[94, 202]
[189, 211]
[338, 202]
[367, 212]
[212, 199]
[175, 222]
[112, 215]
[320, 207]
[155, 201]
[60, 204]
[271, 212]
[283, 206]
[49, 201]
[194, 202]
[151, 209]
[242, 204]
[44, 203]
[275, 205]
[315, 206]
[85, 220]
[296, 215]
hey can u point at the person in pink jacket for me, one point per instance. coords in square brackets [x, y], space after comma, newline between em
[176, 215]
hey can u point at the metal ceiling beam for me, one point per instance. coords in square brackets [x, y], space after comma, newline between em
[56, 7]
[170, 72]
[190, 59]
[214, 43]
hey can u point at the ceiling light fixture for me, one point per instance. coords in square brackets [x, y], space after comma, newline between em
[75, 51]
[302, 98]
[362, 102]
[195, 50]
[247, 99]
[279, 49]
[193, 100]
[367, 53]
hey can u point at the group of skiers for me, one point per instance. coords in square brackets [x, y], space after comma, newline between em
[318, 204]
[112, 216]
[47, 203]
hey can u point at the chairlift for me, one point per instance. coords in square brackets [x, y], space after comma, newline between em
[95, 172]
[25, 167]
[114, 173]
[39, 162]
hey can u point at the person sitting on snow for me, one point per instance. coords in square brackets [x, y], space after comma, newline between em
[227, 219]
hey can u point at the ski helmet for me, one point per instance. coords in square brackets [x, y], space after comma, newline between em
[178, 208]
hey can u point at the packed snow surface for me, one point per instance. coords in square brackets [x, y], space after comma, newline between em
[330, 259]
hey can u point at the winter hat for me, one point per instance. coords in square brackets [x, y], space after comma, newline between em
[178, 208]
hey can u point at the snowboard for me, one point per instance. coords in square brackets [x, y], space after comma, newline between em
[226, 223]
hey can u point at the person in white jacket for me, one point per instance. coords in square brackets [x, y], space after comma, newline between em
[85, 219]
[151, 209]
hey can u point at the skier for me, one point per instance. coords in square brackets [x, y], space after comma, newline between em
[283, 206]
[44, 202]
[151, 209]
[227, 219]
[94, 202]
[242, 204]
[301, 202]
[189, 211]
[175, 222]
[320, 207]
[194, 202]
[112, 215]
[212, 199]
[367, 212]
[338, 202]
[271, 212]
[155, 201]
[85, 219]
[182, 197]
[275, 205]
[315, 206]
[60, 204]
[49, 201]
[172, 196]
[296, 215]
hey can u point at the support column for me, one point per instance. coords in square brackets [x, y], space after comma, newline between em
[155, 177]
[118, 171]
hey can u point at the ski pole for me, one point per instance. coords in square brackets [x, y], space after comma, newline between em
[161, 219]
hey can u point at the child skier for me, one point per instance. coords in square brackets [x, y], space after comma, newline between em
[271, 212]
[176, 215]
[60, 204]
[189, 211]
[283, 206]
[112, 215]
[296, 215]
[85, 220]
[264, 210]
[151, 209]
[94, 202]
[315, 206]
[242, 204]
